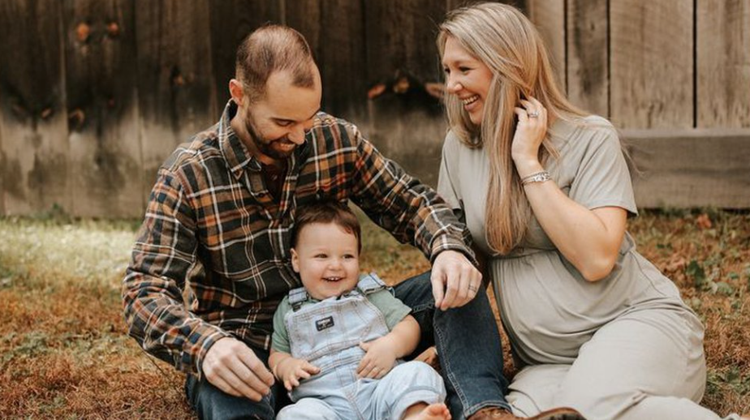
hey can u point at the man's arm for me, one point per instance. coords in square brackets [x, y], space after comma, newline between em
[155, 311]
[413, 212]
[152, 289]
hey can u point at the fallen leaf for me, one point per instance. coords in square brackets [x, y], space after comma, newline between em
[703, 222]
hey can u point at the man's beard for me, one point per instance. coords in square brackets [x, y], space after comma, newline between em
[266, 146]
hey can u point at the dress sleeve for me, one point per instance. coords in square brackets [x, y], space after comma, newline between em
[602, 178]
[280, 338]
[446, 181]
[393, 309]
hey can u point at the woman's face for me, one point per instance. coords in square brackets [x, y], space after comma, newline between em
[466, 77]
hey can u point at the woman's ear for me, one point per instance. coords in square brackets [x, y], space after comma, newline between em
[295, 261]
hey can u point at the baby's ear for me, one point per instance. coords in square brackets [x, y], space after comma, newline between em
[295, 261]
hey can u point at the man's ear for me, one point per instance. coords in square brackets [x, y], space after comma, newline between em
[295, 261]
[235, 89]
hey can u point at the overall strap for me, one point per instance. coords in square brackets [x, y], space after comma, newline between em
[297, 297]
[370, 283]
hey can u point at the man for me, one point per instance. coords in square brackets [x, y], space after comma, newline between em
[219, 220]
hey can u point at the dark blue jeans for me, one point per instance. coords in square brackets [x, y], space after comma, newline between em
[468, 345]
[467, 342]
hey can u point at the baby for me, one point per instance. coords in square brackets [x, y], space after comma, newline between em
[337, 341]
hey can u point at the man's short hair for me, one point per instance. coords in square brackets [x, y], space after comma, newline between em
[327, 211]
[269, 49]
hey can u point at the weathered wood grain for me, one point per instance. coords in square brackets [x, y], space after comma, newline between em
[400, 34]
[587, 59]
[3, 164]
[34, 126]
[549, 18]
[101, 95]
[651, 63]
[231, 21]
[403, 123]
[723, 55]
[176, 91]
[335, 31]
[691, 168]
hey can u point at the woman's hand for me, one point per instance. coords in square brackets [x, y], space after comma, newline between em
[530, 132]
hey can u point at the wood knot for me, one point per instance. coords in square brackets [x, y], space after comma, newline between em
[83, 31]
[401, 85]
[76, 118]
[113, 29]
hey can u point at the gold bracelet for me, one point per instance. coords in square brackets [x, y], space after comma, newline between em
[542, 176]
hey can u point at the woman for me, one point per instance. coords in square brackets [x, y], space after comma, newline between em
[546, 192]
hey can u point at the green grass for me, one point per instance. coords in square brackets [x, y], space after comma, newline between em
[64, 350]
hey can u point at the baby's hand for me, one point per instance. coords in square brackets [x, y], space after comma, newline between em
[291, 370]
[379, 359]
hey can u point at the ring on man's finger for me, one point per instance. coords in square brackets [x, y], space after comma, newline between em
[472, 288]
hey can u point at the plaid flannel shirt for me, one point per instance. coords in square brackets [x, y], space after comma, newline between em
[211, 223]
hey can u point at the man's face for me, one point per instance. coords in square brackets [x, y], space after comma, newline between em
[277, 123]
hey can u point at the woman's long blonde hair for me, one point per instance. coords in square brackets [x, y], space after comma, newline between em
[505, 41]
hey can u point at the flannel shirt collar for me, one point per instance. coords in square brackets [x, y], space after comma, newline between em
[235, 151]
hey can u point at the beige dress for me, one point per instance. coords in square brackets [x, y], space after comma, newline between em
[624, 347]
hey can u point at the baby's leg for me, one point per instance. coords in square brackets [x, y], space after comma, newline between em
[406, 386]
[307, 409]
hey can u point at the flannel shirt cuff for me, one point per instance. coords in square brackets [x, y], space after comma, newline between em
[447, 242]
[207, 337]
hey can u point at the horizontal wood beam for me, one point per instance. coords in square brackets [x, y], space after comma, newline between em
[691, 167]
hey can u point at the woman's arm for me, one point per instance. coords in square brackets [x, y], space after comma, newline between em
[589, 239]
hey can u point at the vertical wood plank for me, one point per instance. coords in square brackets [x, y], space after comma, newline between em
[105, 150]
[549, 18]
[400, 34]
[587, 60]
[231, 21]
[176, 92]
[723, 55]
[651, 63]
[3, 164]
[336, 34]
[32, 89]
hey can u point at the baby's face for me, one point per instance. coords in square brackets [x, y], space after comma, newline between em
[327, 260]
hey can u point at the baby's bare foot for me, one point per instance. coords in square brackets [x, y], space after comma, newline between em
[437, 411]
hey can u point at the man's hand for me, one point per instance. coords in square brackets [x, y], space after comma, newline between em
[455, 281]
[379, 360]
[291, 370]
[234, 368]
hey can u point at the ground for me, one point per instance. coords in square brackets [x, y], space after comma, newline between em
[64, 350]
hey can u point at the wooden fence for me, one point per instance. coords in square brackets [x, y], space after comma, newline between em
[95, 94]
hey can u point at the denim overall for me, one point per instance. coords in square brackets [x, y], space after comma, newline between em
[328, 334]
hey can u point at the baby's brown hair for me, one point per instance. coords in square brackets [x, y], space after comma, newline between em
[327, 211]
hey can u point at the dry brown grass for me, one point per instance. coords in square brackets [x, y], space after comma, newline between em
[64, 352]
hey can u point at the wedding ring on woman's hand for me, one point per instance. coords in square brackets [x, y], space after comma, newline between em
[534, 114]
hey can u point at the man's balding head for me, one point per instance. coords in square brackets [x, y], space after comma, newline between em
[270, 49]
